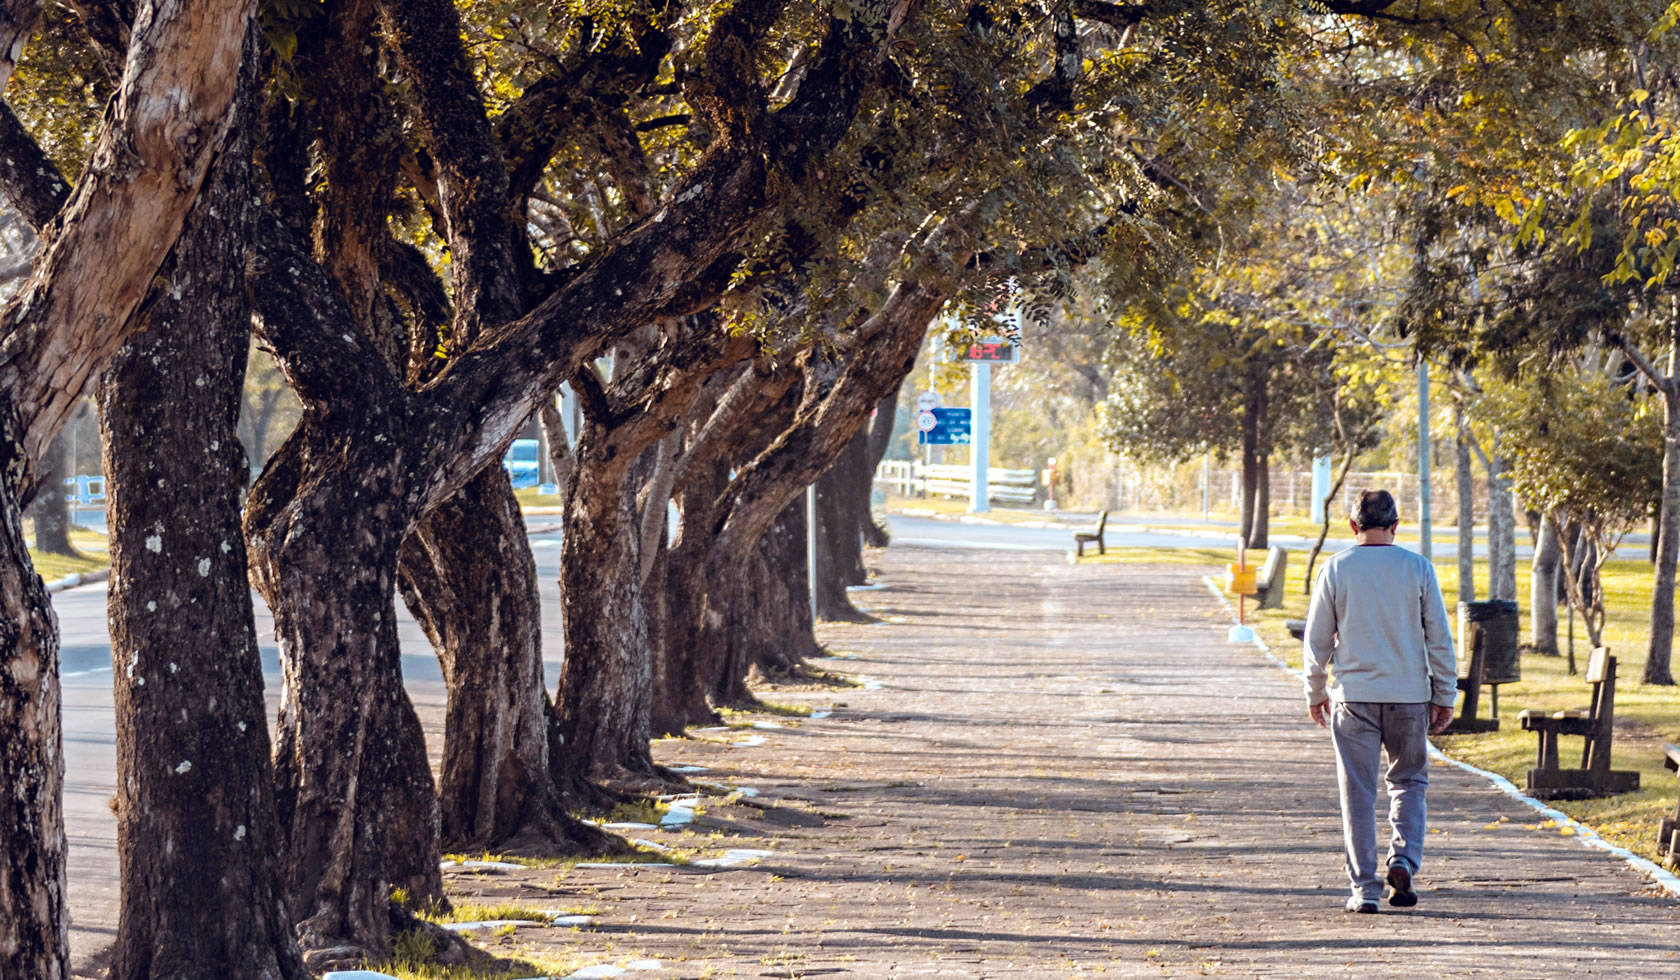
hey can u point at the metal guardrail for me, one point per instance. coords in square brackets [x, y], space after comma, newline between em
[912, 478]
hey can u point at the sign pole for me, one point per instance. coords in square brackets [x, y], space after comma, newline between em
[1425, 544]
[811, 548]
[980, 447]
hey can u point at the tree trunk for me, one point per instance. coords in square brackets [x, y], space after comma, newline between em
[468, 576]
[1467, 514]
[195, 795]
[1543, 589]
[357, 808]
[681, 668]
[36, 941]
[1657, 654]
[1259, 536]
[605, 694]
[775, 629]
[880, 440]
[839, 536]
[1502, 531]
[52, 504]
[762, 618]
[72, 314]
[1256, 495]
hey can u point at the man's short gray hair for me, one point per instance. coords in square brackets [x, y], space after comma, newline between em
[1374, 509]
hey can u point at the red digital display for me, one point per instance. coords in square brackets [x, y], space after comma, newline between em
[999, 352]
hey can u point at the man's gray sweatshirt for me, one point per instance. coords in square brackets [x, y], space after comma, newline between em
[1378, 622]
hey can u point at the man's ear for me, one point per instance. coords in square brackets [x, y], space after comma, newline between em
[1353, 525]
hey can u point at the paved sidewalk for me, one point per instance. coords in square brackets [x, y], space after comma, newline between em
[1060, 770]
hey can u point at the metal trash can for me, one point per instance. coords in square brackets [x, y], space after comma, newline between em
[1492, 624]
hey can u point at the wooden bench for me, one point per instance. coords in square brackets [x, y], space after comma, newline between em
[1668, 838]
[1081, 538]
[1269, 584]
[1546, 780]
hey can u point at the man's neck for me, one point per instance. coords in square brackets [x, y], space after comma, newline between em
[1374, 535]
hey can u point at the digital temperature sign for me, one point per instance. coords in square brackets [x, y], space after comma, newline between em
[989, 352]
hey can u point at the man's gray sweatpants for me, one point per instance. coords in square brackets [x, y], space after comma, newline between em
[1360, 730]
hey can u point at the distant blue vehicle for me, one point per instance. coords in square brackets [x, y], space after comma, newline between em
[522, 464]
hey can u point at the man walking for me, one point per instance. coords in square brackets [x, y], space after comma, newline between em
[1380, 675]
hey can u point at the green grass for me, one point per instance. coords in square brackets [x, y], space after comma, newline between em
[413, 957]
[1647, 715]
[529, 497]
[637, 811]
[488, 913]
[94, 555]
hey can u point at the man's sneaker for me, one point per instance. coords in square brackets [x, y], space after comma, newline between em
[1401, 895]
[1364, 906]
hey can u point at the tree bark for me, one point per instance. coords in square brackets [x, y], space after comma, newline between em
[52, 504]
[605, 694]
[469, 578]
[1543, 589]
[840, 531]
[195, 798]
[880, 440]
[1256, 491]
[682, 665]
[358, 812]
[36, 940]
[75, 311]
[1465, 481]
[1661, 646]
[1502, 531]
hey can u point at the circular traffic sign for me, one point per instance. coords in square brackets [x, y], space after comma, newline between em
[927, 421]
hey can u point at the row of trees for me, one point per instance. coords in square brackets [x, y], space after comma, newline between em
[1498, 199]
[432, 214]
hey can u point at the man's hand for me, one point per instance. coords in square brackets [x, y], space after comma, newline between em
[1320, 713]
[1440, 716]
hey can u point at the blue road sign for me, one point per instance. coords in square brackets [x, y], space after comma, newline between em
[950, 427]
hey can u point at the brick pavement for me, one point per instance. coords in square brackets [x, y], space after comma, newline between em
[1063, 770]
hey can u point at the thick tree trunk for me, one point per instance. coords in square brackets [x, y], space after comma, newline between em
[1658, 653]
[357, 808]
[52, 504]
[847, 486]
[840, 532]
[195, 796]
[762, 617]
[468, 577]
[880, 440]
[1502, 532]
[1466, 513]
[1543, 589]
[35, 942]
[775, 628]
[605, 694]
[72, 314]
[682, 667]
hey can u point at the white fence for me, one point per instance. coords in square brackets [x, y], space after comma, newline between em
[912, 478]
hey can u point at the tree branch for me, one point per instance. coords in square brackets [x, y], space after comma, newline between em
[154, 149]
[473, 180]
[17, 22]
[28, 177]
[312, 333]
